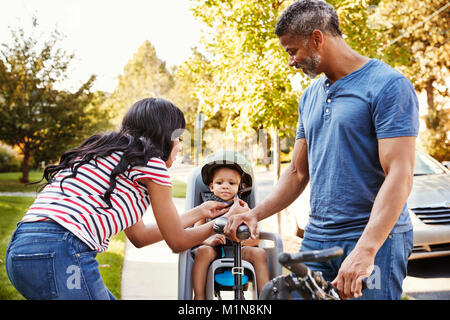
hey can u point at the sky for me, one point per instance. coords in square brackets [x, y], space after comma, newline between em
[104, 34]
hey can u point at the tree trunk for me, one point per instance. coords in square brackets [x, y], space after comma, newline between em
[264, 141]
[430, 96]
[25, 167]
[276, 170]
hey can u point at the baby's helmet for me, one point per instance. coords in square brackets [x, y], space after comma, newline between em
[229, 159]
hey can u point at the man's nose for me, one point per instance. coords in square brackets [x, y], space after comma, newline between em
[292, 61]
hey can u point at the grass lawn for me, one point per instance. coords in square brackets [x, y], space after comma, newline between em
[12, 210]
[9, 182]
[178, 188]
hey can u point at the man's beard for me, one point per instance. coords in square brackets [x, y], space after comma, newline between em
[310, 66]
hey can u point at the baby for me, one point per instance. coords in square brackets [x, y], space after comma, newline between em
[225, 185]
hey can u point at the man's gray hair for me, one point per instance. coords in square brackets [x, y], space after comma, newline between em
[304, 16]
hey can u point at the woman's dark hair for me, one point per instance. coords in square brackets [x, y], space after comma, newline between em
[302, 17]
[148, 130]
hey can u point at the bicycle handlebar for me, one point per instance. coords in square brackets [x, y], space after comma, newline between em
[309, 256]
[242, 232]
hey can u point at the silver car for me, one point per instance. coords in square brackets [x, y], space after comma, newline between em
[428, 205]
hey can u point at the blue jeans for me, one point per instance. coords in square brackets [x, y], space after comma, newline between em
[46, 261]
[391, 262]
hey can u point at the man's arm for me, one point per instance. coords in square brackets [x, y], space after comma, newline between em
[291, 184]
[397, 159]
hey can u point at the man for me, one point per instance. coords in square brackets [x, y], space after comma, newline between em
[355, 144]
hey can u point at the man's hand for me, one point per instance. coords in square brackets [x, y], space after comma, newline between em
[238, 215]
[238, 206]
[357, 266]
[212, 209]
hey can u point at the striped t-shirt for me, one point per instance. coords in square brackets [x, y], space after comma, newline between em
[79, 206]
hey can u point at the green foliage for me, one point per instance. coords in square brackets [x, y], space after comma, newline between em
[36, 117]
[9, 159]
[421, 31]
[247, 83]
[144, 76]
[359, 30]
[248, 78]
[418, 45]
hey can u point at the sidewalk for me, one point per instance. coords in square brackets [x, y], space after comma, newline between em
[151, 273]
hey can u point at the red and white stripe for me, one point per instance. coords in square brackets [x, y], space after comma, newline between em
[78, 205]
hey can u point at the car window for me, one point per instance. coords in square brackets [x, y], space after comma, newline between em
[423, 166]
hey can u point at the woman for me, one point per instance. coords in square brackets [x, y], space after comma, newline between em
[97, 190]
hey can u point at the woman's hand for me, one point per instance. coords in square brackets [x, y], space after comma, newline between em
[212, 209]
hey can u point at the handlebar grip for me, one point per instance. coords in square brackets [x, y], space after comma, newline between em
[219, 224]
[312, 256]
[242, 232]
[298, 268]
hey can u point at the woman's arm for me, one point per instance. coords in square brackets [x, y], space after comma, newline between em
[141, 234]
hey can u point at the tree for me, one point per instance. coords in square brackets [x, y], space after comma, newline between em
[250, 76]
[36, 117]
[417, 33]
[76, 119]
[193, 71]
[145, 75]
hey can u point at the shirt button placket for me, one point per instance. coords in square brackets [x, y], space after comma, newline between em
[327, 105]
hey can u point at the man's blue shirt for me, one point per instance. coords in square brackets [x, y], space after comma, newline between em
[342, 123]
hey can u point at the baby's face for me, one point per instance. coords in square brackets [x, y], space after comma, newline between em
[225, 183]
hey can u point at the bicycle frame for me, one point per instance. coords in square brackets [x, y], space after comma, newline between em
[242, 233]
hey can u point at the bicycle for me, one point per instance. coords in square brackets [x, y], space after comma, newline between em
[311, 285]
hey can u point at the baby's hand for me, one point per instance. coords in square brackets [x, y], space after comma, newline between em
[216, 240]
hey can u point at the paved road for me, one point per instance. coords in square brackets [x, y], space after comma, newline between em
[428, 279]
